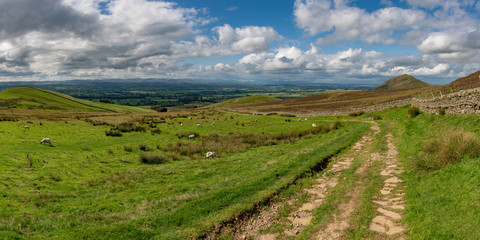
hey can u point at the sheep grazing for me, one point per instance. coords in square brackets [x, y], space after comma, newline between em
[45, 141]
[314, 125]
[305, 119]
[299, 119]
[211, 154]
[26, 127]
[199, 125]
[191, 136]
[213, 123]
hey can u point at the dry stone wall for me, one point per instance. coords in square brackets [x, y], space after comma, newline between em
[464, 101]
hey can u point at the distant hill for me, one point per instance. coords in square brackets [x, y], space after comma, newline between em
[29, 97]
[243, 101]
[401, 82]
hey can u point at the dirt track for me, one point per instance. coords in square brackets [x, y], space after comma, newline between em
[288, 218]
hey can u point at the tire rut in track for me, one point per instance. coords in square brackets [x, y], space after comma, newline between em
[301, 217]
[341, 220]
[391, 201]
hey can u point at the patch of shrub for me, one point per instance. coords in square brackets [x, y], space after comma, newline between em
[181, 135]
[130, 127]
[355, 114]
[441, 111]
[287, 115]
[413, 112]
[190, 149]
[144, 147]
[113, 133]
[153, 158]
[127, 148]
[154, 131]
[96, 122]
[449, 148]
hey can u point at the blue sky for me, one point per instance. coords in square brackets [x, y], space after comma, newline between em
[342, 41]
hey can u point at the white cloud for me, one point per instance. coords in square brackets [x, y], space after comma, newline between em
[352, 23]
[451, 42]
[230, 41]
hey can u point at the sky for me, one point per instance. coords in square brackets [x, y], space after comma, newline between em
[317, 41]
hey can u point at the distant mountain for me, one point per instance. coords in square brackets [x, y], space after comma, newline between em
[28, 97]
[401, 82]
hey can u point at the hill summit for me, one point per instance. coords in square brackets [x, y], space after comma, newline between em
[404, 81]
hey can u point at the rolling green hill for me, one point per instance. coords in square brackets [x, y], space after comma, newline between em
[29, 97]
[243, 101]
[401, 82]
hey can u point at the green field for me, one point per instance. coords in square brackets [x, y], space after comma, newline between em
[87, 186]
[35, 98]
[91, 186]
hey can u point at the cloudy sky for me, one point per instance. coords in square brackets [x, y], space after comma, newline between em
[338, 41]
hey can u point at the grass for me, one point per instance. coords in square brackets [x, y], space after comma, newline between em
[152, 158]
[449, 148]
[64, 192]
[443, 203]
[28, 97]
[413, 112]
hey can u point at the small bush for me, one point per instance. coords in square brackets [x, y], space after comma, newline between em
[451, 147]
[130, 127]
[413, 112]
[144, 147]
[287, 115]
[441, 111]
[154, 131]
[181, 135]
[113, 133]
[127, 148]
[152, 158]
[374, 116]
[355, 114]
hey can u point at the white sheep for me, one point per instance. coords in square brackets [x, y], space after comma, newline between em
[191, 136]
[305, 119]
[26, 127]
[314, 125]
[45, 141]
[299, 119]
[213, 123]
[211, 154]
[199, 125]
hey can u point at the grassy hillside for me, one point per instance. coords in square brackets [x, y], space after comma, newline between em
[37, 98]
[243, 101]
[92, 186]
[441, 203]
[401, 82]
